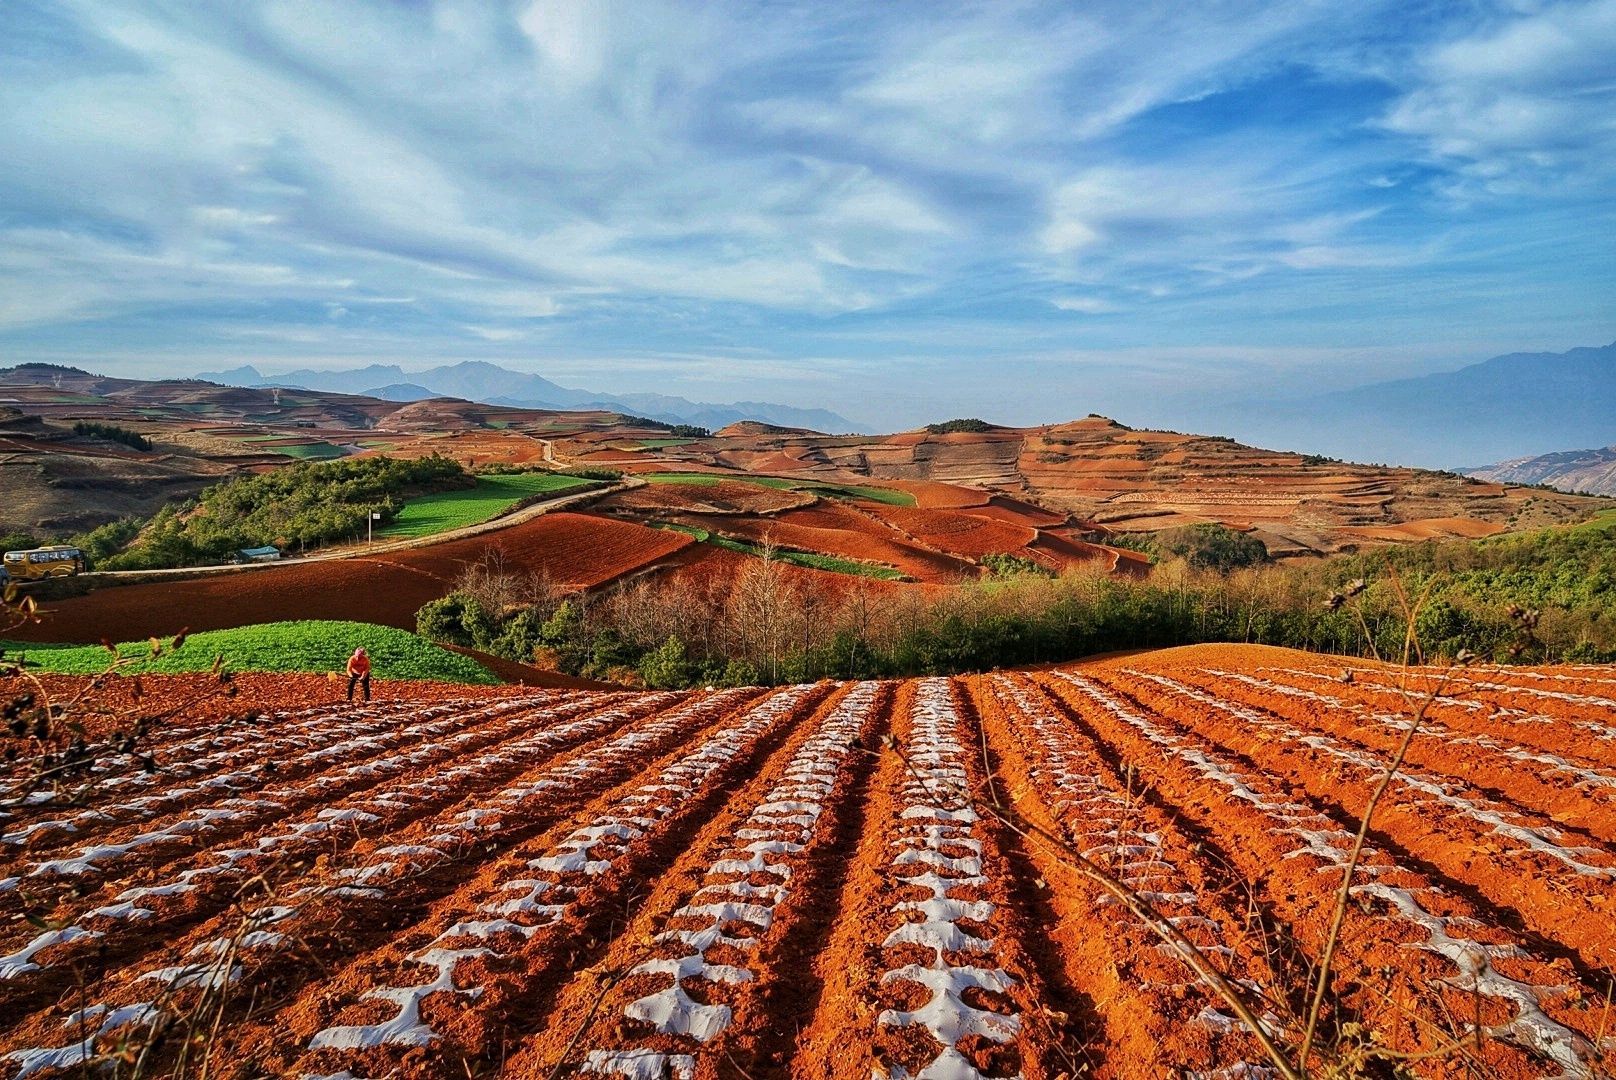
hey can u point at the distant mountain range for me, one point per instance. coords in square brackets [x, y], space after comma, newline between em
[495, 385]
[1515, 406]
[1592, 472]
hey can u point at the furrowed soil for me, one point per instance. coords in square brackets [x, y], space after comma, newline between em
[904, 879]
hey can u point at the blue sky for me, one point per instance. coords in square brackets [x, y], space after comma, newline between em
[900, 211]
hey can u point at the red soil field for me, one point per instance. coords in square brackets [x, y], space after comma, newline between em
[1429, 528]
[959, 532]
[1004, 508]
[874, 879]
[579, 550]
[708, 566]
[726, 496]
[932, 494]
[1061, 554]
[832, 529]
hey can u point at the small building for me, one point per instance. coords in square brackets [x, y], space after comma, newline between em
[258, 554]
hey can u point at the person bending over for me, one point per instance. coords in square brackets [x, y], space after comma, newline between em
[359, 672]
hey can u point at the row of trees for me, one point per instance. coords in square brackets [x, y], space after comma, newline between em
[113, 432]
[772, 624]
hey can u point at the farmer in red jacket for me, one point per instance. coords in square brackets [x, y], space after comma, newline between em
[359, 672]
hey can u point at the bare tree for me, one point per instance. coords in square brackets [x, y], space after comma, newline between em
[493, 583]
[758, 607]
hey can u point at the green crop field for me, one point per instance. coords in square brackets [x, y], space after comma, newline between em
[780, 483]
[457, 509]
[1604, 521]
[663, 444]
[309, 451]
[800, 558]
[315, 646]
[890, 496]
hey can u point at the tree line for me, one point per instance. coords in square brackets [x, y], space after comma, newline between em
[113, 432]
[1549, 596]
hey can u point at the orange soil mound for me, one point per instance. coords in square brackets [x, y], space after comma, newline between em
[579, 550]
[816, 882]
[1060, 554]
[1004, 508]
[1429, 528]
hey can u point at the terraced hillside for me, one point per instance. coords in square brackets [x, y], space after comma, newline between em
[819, 881]
[1115, 478]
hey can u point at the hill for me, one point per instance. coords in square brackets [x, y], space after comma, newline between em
[1518, 405]
[58, 481]
[1592, 472]
[1119, 480]
[1086, 480]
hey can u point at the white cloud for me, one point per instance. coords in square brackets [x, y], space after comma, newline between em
[1526, 100]
[495, 333]
[1085, 305]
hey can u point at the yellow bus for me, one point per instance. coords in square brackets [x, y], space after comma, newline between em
[36, 563]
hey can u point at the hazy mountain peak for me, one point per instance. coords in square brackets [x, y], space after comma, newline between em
[478, 380]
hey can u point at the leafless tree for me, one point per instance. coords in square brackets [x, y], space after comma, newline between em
[760, 602]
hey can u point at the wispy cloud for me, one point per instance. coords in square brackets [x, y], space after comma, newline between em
[1523, 101]
[593, 184]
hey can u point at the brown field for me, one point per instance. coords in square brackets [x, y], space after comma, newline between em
[573, 550]
[704, 567]
[1428, 529]
[832, 529]
[962, 533]
[725, 497]
[821, 881]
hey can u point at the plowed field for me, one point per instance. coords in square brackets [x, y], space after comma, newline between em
[837, 880]
[580, 550]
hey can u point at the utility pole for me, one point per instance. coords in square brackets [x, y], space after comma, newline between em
[370, 526]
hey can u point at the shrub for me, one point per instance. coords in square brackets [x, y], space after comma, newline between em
[666, 667]
[14, 541]
[1004, 566]
[107, 540]
[443, 620]
[113, 432]
[1213, 547]
[969, 423]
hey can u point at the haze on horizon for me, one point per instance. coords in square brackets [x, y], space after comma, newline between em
[899, 212]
